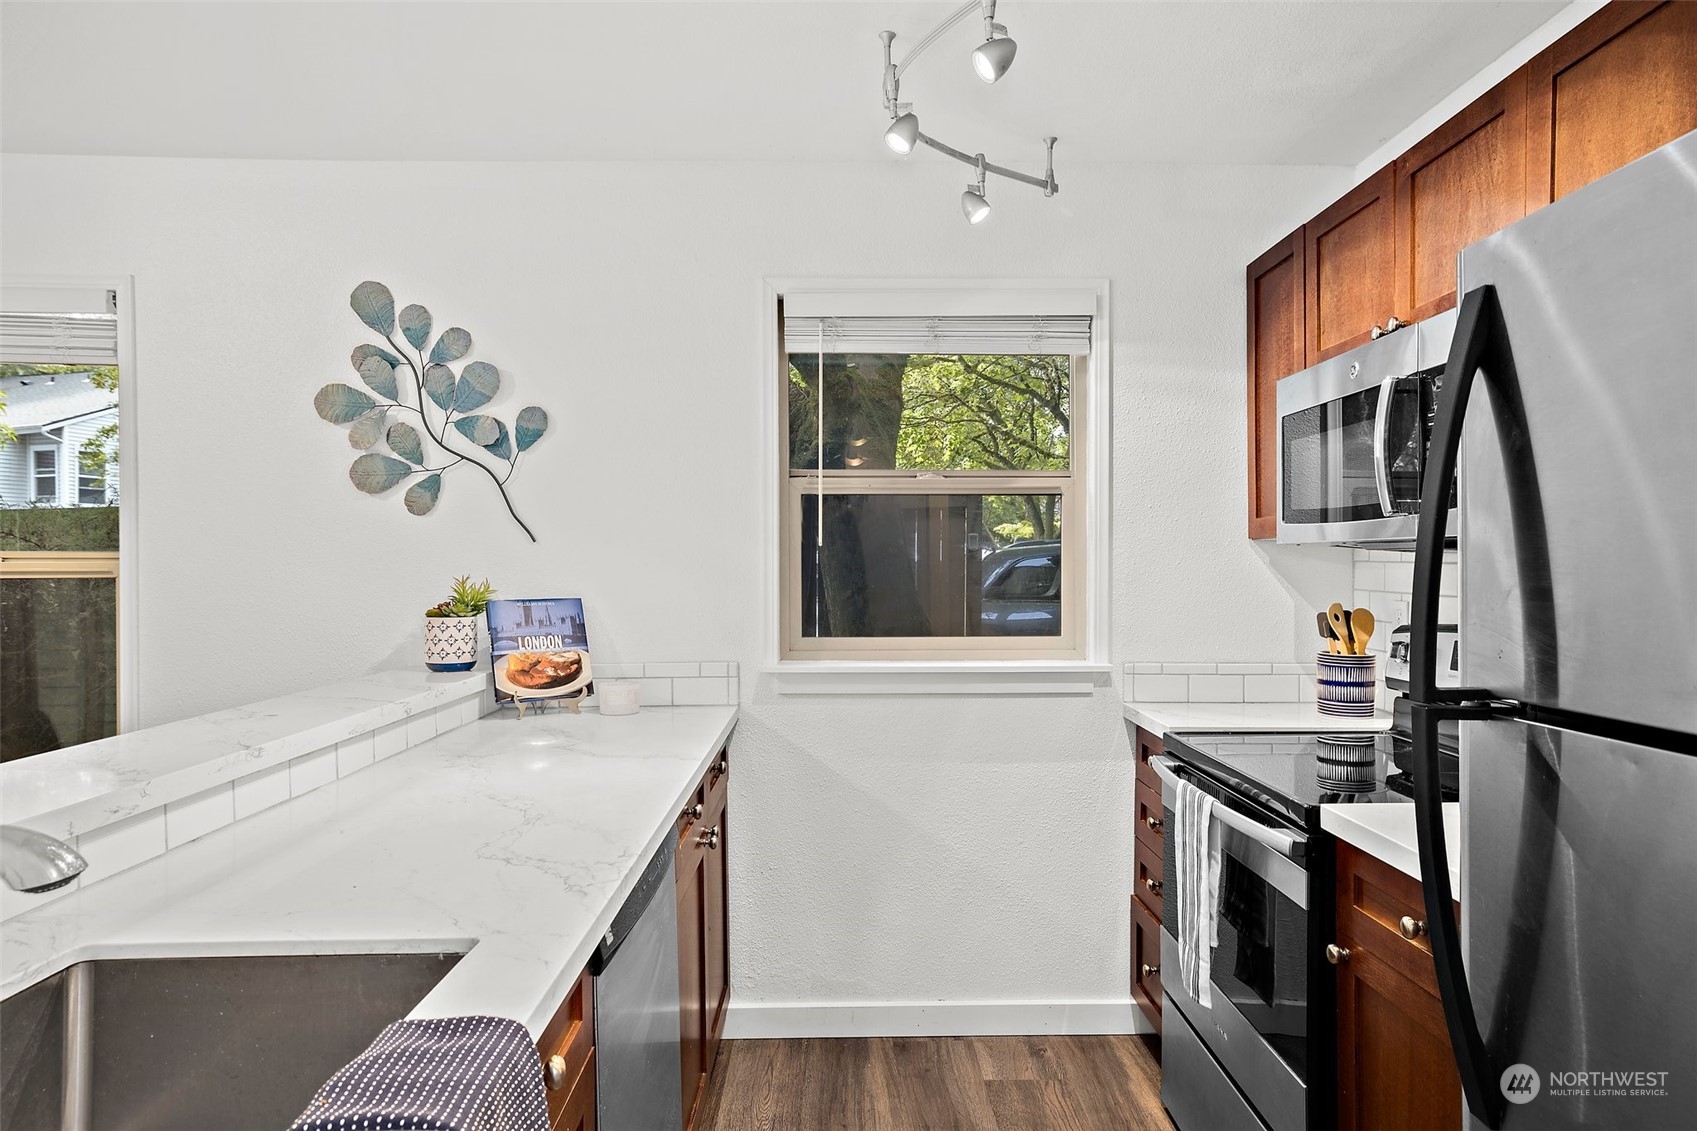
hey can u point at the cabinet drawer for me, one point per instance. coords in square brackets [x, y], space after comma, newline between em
[570, 1036]
[1373, 900]
[576, 1111]
[1148, 862]
[1151, 825]
[694, 809]
[1146, 962]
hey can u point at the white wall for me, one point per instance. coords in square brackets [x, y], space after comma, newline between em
[955, 849]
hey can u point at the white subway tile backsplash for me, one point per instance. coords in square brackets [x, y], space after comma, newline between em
[356, 754]
[1143, 669]
[716, 669]
[391, 739]
[1399, 577]
[700, 690]
[617, 671]
[1305, 687]
[1270, 688]
[194, 817]
[310, 771]
[262, 790]
[470, 710]
[655, 692]
[1369, 575]
[421, 727]
[1292, 669]
[447, 718]
[1244, 669]
[1160, 688]
[122, 844]
[1188, 669]
[670, 671]
[1216, 689]
[736, 690]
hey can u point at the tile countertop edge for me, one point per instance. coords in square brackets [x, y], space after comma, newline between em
[510, 966]
[1387, 832]
[1163, 718]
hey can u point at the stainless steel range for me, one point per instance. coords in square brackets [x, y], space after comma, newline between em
[1263, 1055]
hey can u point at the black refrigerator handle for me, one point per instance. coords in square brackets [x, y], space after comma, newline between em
[1478, 336]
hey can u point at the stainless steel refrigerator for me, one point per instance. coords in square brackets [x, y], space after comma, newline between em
[1570, 408]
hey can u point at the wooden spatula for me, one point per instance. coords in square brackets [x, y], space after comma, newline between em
[1340, 627]
[1361, 623]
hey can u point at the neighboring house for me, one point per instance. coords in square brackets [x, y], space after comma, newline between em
[52, 416]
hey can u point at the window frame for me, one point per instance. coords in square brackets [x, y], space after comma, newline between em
[1084, 488]
[37, 475]
[121, 564]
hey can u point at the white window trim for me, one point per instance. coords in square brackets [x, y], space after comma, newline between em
[968, 677]
[129, 591]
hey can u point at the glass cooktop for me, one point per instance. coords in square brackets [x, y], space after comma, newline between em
[1294, 774]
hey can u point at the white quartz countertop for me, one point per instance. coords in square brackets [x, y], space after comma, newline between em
[1295, 717]
[1387, 831]
[81, 788]
[514, 841]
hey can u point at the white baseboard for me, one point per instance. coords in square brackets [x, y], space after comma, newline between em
[762, 1020]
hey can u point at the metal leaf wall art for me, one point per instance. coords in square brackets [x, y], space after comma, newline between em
[422, 410]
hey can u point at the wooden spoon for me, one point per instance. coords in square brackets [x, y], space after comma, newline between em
[1340, 626]
[1361, 621]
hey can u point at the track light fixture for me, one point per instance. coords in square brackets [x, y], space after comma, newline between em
[903, 133]
[973, 202]
[990, 60]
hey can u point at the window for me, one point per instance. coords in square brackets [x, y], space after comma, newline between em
[934, 503]
[60, 582]
[45, 463]
[91, 488]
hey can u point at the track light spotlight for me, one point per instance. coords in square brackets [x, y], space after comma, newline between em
[903, 134]
[973, 204]
[992, 58]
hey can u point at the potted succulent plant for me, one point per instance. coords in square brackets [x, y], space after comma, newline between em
[450, 628]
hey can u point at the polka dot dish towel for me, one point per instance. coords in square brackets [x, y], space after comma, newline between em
[438, 1074]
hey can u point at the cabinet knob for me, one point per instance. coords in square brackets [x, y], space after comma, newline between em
[710, 838]
[555, 1073]
[1411, 928]
[721, 766]
[1155, 823]
[1154, 886]
[1376, 333]
[693, 813]
[1337, 955]
[1150, 971]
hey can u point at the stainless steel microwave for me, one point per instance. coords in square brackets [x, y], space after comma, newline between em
[1352, 439]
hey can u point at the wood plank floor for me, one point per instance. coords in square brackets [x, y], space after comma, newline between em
[937, 1084]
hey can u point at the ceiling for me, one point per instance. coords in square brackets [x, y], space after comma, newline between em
[1234, 83]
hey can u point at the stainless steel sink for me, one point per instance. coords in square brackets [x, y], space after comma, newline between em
[230, 1044]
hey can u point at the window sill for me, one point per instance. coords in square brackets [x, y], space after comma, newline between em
[937, 677]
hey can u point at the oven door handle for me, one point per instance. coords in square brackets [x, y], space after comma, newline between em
[1381, 444]
[1292, 846]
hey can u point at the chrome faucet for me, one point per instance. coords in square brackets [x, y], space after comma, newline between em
[35, 862]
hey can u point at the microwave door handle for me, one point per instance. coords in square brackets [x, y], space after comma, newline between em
[1381, 438]
[1289, 845]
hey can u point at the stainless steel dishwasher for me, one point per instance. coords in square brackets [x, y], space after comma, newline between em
[638, 1059]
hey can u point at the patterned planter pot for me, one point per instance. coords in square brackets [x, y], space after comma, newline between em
[450, 643]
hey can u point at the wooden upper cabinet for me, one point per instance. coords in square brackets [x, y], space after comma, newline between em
[1276, 321]
[1349, 263]
[1464, 181]
[1622, 83]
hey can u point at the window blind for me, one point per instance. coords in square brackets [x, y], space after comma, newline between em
[942, 334]
[28, 338]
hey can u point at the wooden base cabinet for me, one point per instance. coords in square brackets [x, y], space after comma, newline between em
[1395, 1068]
[1148, 862]
[703, 943]
[567, 1049]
